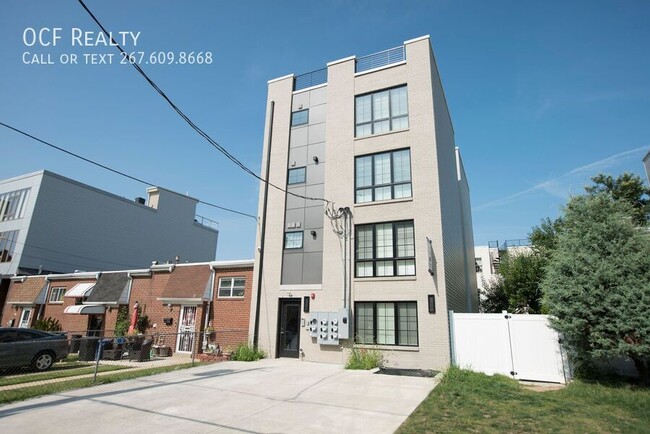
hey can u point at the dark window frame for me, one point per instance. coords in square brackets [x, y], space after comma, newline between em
[390, 117]
[392, 183]
[374, 258]
[296, 169]
[302, 240]
[295, 123]
[396, 319]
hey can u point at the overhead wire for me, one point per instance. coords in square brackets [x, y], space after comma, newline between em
[195, 127]
[110, 169]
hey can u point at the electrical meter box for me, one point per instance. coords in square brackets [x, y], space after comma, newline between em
[329, 327]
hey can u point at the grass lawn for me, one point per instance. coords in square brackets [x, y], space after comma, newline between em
[7, 396]
[60, 372]
[470, 402]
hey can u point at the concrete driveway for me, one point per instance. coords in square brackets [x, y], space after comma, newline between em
[280, 395]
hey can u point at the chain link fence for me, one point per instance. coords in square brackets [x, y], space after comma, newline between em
[33, 365]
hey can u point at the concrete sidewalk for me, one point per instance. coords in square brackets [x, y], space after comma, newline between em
[280, 395]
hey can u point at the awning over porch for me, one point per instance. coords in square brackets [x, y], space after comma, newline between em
[85, 309]
[111, 288]
[80, 290]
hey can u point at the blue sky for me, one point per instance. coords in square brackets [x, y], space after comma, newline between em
[543, 95]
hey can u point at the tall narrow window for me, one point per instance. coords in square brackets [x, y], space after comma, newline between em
[300, 117]
[385, 249]
[382, 111]
[386, 323]
[383, 176]
[13, 204]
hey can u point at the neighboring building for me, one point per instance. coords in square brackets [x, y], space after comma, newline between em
[178, 299]
[646, 163]
[487, 258]
[393, 250]
[52, 224]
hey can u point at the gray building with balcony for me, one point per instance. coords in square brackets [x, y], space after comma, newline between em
[372, 243]
[53, 224]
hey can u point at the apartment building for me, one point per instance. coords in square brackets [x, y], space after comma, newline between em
[372, 244]
[53, 224]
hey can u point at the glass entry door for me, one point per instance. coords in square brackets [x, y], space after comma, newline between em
[186, 329]
[289, 331]
[24, 317]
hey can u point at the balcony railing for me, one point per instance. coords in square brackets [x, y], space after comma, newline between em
[310, 79]
[204, 221]
[383, 58]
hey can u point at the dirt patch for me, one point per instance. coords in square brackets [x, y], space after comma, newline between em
[542, 387]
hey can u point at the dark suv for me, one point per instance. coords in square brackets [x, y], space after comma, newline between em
[36, 349]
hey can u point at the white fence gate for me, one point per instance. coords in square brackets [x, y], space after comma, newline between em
[523, 347]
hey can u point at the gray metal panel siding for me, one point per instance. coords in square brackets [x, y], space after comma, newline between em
[306, 142]
[78, 227]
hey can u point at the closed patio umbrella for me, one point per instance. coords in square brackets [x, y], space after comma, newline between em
[134, 318]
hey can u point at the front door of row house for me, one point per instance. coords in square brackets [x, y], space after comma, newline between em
[289, 328]
[186, 329]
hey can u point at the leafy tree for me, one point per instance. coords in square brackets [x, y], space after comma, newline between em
[597, 282]
[628, 188]
[544, 237]
[517, 288]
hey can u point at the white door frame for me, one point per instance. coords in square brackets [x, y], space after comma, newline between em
[186, 329]
[24, 322]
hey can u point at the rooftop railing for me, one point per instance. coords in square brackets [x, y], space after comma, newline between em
[204, 221]
[522, 242]
[310, 79]
[383, 58]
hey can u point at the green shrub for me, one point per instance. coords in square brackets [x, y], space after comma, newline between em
[246, 353]
[48, 324]
[363, 358]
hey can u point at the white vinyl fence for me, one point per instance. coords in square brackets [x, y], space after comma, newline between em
[523, 347]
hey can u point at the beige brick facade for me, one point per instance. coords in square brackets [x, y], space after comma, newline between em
[439, 207]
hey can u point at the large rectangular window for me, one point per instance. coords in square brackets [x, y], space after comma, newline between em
[380, 112]
[13, 204]
[386, 323]
[385, 249]
[7, 245]
[383, 176]
[231, 287]
[300, 117]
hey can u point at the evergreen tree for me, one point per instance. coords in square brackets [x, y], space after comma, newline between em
[597, 282]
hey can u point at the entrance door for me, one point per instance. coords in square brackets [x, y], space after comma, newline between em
[289, 331]
[24, 317]
[186, 328]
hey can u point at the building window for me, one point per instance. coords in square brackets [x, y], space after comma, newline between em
[383, 176]
[385, 249]
[13, 204]
[7, 245]
[300, 117]
[297, 175]
[478, 263]
[380, 112]
[56, 296]
[293, 240]
[387, 323]
[231, 287]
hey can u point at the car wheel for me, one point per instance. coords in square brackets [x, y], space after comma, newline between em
[43, 361]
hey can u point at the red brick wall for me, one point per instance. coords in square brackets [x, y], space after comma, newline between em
[230, 316]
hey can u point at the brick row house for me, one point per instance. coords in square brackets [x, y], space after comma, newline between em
[177, 299]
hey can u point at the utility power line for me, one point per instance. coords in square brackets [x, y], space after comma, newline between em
[202, 133]
[110, 169]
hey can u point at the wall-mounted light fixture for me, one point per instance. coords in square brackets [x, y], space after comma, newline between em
[315, 158]
[432, 303]
[169, 305]
[313, 234]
